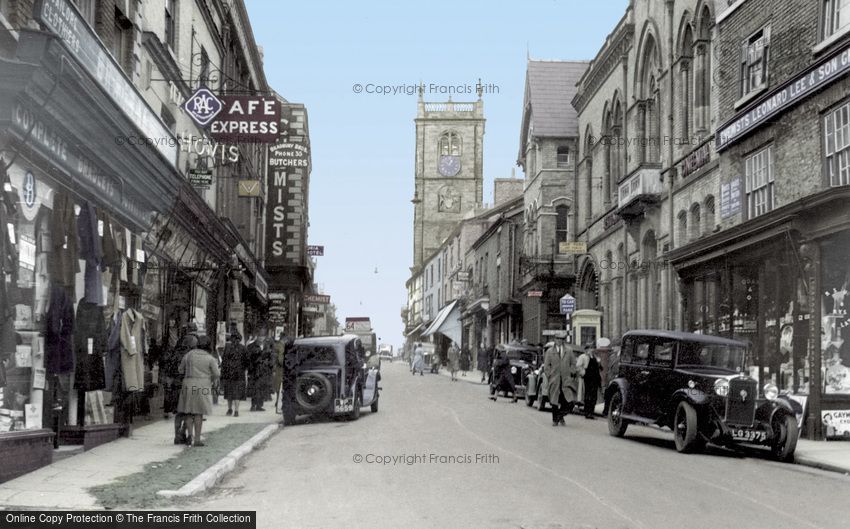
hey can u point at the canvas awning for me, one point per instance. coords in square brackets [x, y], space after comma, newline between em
[447, 323]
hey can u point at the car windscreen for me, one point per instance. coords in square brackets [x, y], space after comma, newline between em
[520, 354]
[316, 354]
[728, 357]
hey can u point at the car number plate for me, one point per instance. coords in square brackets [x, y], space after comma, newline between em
[740, 434]
[343, 405]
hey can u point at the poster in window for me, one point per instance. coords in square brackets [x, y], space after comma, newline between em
[836, 423]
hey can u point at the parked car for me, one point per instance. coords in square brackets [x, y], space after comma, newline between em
[332, 375]
[697, 386]
[538, 383]
[523, 359]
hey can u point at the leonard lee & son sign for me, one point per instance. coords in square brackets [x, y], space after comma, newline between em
[791, 93]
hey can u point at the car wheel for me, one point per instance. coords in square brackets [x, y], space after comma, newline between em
[313, 392]
[374, 406]
[616, 423]
[785, 432]
[355, 413]
[686, 429]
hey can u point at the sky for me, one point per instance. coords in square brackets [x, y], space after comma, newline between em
[362, 144]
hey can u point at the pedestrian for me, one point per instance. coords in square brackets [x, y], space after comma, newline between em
[234, 369]
[454, 360]
[418, 360]
[560, 367]
[612, 372]
[279, 348]
[261, 367]
[175, 385]
[590, 371]
[465, 360]
[483, 362]
[200, 371]
[502, 379]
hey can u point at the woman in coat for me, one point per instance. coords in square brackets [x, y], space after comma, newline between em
[234, 369]
[261, 366]
[454, 361]
[200, 371]
[465, 360]
[418, 360]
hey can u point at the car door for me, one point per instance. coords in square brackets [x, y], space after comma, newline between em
[633, 360]
[658, 385]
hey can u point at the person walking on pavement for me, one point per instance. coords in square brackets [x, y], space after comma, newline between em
[261, 366]
[234, 368]
[418, 359]
[590, 371]
[189, 342]
[200, 371]
[560, 367]
[465, 360]
[454, 360]
[503, 379]
[484, 360]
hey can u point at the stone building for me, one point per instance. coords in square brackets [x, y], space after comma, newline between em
[449, 170]
[646, 110]
[547, 155]
[774, 270]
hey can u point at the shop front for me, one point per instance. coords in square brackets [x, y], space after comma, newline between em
[779, 283]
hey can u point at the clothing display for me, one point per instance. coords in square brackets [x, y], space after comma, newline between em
[133, 350]
[91, 251]
[64, 258]
[8, 265]
[89, 347]
[59, 354]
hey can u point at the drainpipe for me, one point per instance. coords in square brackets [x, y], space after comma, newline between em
[671, 274]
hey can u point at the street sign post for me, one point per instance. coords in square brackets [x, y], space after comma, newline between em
[568, 306]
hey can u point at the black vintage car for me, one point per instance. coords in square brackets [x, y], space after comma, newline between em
[697, 386]
[522, 360]
[331, 375]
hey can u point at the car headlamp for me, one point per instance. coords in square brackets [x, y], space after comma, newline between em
[771, 391]
[513, 370]
[721, 387]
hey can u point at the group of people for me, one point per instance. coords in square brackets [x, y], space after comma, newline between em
[571, 380]
[195, 374]
[458, 360]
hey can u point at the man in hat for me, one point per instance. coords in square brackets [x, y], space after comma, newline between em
[560, 366]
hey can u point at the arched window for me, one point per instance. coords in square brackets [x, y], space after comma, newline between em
[588, 159]
[709, 214]
[617, 169]
[450, 144]
[696, 222]
[650, 120]
[610, 156]
[682, 232]
[686, 54]
[702, 71]
[562, 157]
[561, 225]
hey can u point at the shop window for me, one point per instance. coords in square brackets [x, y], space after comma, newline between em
[837, 145]
[835, 16]
[835, 306]
[754, 57]
[759, 183]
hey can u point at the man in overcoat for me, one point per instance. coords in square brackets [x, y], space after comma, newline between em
[560, 367]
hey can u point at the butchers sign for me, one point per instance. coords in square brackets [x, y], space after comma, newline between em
[247, 119]
[792, 92]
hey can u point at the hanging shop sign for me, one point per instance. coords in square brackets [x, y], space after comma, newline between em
[200, 178]
[249, 188]
[789, 94]
[204, 147]
[730, 198]
[262, 286]
[203, 106]
[315, 251]
[247, 119]
[317, 299]
[62, 18]
[288, 154]
[277, 309]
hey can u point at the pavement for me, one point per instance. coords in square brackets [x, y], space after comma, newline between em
[439, 454]
[64, 484]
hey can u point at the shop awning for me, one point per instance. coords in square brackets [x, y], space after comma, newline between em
[414, 330]
[447, 323]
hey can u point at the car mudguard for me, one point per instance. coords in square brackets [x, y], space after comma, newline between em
[768, 410]
[695, 396]
[618, 384]
[370, 388]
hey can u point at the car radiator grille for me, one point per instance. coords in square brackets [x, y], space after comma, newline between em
[741, 402]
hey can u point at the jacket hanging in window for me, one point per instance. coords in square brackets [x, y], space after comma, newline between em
[59, 355]
[89, 346]
[63, 236]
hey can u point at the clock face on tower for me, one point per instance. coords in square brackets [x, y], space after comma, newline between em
[449, 165]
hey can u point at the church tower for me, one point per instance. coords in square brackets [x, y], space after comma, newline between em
[449, 170]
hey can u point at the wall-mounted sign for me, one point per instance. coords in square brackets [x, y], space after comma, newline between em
[203, 106]
[249, 188]
[572, 247]
[209, 149]
[200, 178]
[730, 198]
[696, 160]
[317, 299]
[790, 93]
[316, 251]
[535, 293]
[247, 119]
[568, 304]
[62, 18]
[463, 277]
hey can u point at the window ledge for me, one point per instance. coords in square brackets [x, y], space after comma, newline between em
[749, 97]
[832, 39]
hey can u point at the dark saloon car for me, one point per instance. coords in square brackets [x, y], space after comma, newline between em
[697, 386]
[522, 360]
[331, 375]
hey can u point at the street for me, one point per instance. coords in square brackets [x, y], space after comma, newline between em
[529, 474]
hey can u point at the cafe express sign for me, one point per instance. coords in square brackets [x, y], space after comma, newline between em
[789, 94]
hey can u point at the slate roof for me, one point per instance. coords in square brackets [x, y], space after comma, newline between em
[549, 90]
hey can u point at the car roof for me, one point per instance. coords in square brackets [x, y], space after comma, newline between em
[517, 347]
[685, 337]
[326, 340]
